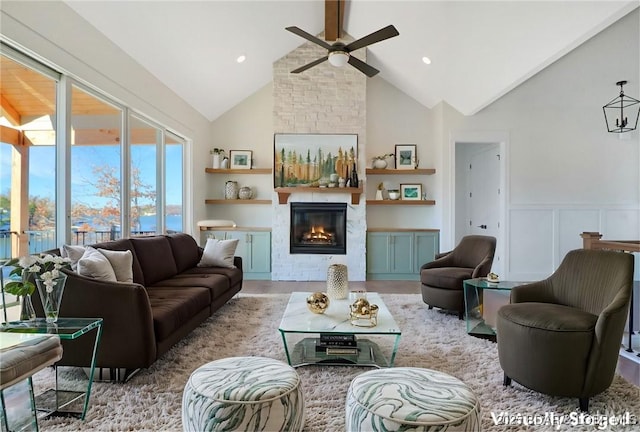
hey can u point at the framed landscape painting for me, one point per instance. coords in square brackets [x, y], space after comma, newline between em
[406, 157]
[411, 191]
[313, 159]
[240, 159]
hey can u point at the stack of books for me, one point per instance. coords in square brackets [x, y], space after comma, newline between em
[337, 344]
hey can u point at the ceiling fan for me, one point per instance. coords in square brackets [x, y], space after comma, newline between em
[339, 54]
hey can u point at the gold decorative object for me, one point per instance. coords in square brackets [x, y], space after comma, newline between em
[363, 314]
[318, 302]
[337, 281]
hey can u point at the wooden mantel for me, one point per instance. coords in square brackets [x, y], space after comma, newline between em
[284, 192]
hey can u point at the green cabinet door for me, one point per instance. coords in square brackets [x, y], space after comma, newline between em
[427, 245]
[258, 256]
[402, 252]
[398, 255]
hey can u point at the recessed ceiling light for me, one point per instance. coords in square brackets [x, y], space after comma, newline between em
[241, 58]
[426, 60]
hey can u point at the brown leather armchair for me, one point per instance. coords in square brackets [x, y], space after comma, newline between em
[562, 336]
[442, 278]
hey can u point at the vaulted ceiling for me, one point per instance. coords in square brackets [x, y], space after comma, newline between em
[479, 50]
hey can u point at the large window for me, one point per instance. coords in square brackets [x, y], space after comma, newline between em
[70, 164]
[96, 151]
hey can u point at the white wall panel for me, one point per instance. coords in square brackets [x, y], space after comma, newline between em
[531, 244]
[621, 224]
[571, 223]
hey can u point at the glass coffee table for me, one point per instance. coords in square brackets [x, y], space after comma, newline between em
[72, 392]
[302, 329]
[482, 299]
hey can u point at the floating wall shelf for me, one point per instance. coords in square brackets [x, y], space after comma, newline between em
[402, 202]
[238, 171]
[419, 171]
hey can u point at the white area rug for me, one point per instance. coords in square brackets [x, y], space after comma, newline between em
[248, 325]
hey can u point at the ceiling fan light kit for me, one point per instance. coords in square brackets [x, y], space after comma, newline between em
[338, 58]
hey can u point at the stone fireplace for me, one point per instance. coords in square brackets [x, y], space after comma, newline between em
[323, 99]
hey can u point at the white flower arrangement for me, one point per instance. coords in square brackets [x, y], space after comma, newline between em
[45, 266]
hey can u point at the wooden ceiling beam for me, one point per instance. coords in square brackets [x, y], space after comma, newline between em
[9, 112]
[333, 19]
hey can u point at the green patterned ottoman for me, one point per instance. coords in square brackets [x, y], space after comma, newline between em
[410, 399]
[243, 393]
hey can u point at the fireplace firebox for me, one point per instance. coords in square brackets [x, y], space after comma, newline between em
[318, 228]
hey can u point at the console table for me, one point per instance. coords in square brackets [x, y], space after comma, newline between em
[66, 398]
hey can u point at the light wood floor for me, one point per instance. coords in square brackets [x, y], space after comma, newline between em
[279, 287]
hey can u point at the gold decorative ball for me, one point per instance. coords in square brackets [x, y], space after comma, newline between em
[318, 302]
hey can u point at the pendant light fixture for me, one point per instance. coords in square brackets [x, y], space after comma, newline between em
[614, 112]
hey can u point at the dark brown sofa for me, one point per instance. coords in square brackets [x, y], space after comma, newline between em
[169, 297]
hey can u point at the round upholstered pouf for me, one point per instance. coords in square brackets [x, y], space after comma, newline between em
[243, 393]
[410, 399]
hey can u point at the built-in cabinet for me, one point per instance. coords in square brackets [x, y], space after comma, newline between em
[399, 254]
[254, 246]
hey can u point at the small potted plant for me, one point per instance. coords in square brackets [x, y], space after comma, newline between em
[217, 154]
[380, 162]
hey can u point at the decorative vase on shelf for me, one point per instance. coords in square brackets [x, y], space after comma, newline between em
[231, 190]
[27, 312]
[216, 161]
[245, 193]
[225, 163]
[379, 163]
[337, 281]
[51, 290]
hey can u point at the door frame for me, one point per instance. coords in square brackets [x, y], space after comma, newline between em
[483, 137]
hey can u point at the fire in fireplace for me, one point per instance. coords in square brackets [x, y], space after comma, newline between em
[318, 228]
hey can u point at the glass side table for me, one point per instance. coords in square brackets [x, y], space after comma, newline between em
[482, 299]
[71, 395]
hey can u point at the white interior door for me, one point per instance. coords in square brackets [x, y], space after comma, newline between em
[484, 196]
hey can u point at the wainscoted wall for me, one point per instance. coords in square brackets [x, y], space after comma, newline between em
[556, 230]
[323, 99]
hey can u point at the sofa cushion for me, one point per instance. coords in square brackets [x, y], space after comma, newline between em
[95, 265]
[216, 283]
[233, 274]
[445, 277]
[173, 307]
[218, 253]
[186, 252]
[155, 257]
[122, 263]
[122, 245]
[74, 253]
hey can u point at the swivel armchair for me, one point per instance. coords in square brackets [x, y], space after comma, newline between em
[562, 336]
[442, 278]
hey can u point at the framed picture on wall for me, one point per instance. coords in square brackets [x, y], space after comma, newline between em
[240, 159]
[310, 159]
[406, 157]
[411, 191]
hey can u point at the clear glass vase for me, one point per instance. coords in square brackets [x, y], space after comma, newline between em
[51, 296]
[27, 312]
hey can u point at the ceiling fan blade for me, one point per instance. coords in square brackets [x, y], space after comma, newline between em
[377, 36]
[310, 65]
[362, 66]
[309, 37]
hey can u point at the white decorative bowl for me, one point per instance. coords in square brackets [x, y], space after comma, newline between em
[394, 194]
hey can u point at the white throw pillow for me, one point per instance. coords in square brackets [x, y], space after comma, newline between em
[219, 253]
[122, 263]
[74, 253]
[94, 264]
